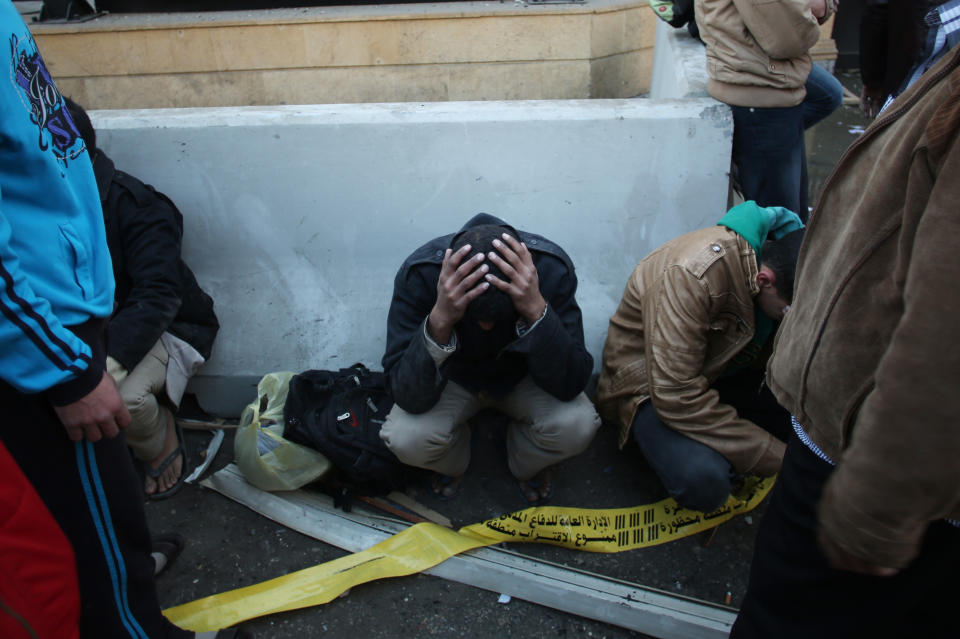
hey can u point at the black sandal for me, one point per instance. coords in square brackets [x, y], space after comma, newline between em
[156, 473]
[170, 546]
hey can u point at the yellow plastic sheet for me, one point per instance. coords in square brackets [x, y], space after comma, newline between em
[423, 546]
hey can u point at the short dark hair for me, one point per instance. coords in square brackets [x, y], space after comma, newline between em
[82, 121]
[493, 305]
[780, 256]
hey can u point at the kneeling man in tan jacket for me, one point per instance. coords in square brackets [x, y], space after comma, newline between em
[686, 349]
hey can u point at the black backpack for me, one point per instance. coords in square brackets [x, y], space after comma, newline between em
[340, 413]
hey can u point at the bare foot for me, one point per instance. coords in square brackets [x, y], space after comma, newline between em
[172, 472]
[538, 488]
[445, 486]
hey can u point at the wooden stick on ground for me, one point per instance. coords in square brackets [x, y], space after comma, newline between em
[413, 505]
[199, 424]
[382, 504]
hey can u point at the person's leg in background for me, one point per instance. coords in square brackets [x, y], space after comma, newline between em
[824, 96]
[768, 151]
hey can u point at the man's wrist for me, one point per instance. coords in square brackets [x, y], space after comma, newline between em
[438, 330]
[76, 388]
[524, 327]
[439, 352]
[534, 315]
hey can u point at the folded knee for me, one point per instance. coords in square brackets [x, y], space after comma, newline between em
[415, 447]
[139, 403]
[571, 430]
[701, 488]
[400, 444]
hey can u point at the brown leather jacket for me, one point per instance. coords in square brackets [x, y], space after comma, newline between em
[687, 310]
[757, 52]
[868, 358]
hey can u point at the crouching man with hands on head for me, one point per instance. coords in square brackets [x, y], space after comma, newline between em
[487, 318]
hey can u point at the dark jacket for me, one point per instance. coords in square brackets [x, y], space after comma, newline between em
[155, 290]
[892, 35]
[552, 353]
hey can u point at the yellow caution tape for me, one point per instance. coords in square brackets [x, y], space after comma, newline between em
[423, 546]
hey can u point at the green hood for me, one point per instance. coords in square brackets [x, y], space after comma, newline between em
[754, 223]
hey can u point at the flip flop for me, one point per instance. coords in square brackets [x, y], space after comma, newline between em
[156, 473]
[170, 546]
[545, 476]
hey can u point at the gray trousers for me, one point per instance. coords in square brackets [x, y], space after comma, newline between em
[542, 432]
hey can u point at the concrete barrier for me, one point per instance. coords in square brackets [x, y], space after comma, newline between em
[296, 218]
[679, 65]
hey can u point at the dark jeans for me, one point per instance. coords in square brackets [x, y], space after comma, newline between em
[824, 96]
[694, 474]
[770, 155]
[794, 593]
[769, 150]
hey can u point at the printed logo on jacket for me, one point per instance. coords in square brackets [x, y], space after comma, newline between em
[55, 129]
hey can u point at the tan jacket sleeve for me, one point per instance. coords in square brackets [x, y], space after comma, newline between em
[900, 470]
[784, 29]
[676, 349]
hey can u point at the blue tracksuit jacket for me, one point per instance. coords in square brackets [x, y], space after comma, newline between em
[54, 262]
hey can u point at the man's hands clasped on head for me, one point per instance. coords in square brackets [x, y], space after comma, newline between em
[499, 259]
[523, 285]
[456, 288]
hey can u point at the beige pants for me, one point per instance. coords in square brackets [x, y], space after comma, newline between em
[543, 430]
[144, 393]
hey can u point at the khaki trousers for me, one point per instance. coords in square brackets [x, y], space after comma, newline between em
[144, 393]
[543, 430]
